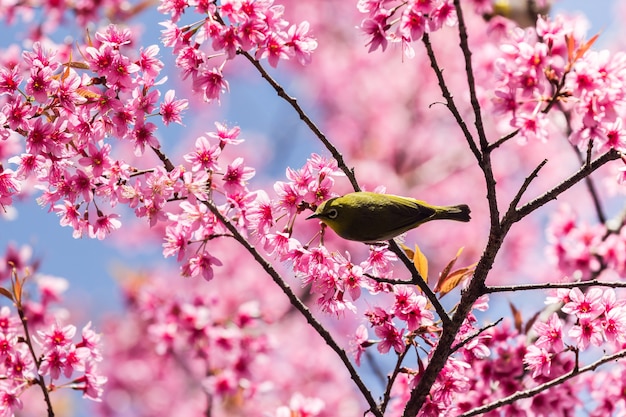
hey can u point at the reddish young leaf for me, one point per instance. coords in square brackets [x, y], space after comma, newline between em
[517, 317]
[585, 47]
[530, 322]
[449, 283]
[6, 293]
[569, 41]
[446, 271]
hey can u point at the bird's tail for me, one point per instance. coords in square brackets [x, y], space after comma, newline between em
[459, 213]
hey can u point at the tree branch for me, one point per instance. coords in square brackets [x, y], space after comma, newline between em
[447, 95]
[555, 285]
[391, 379]
[552, 194]
[471, 82]
[525, 186]
[474, 335]
[503, 139]
[305, 118]
[296, 303]
[543, 387]
[28, 340]
[417, 279]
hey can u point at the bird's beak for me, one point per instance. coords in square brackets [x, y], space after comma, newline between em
[313, 216]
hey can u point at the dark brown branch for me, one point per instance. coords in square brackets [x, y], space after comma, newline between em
[391, 281]
[475, 335]
[27, 339]
[471, 82]
[552, 194]
[447, 95]
[502, 140]
[525, 186]
[543, 387]
[169, 167]
[392, 378]
[417, 279]
[554, 285]
[305, 118]
[297, 304]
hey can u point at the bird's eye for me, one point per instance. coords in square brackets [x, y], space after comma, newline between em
[332, 214]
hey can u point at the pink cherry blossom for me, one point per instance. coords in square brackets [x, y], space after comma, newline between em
[586, 305]
[550, 334]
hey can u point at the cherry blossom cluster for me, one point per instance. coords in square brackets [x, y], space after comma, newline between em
[594, 318]
[218, 350]
[410, 309]
[599, 320]
[581, 250]
[211, 348]
[36, 351]
[504, 372]
[551, 65]
[451, 381]
[300, 405]
[54, 14]
[193, 225]
[403, 21]
[231, 27]
[482, 359]
[68, 111]
[490, 365]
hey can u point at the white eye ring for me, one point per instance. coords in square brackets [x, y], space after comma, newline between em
[332, 214]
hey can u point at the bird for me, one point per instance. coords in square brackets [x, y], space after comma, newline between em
[373, 217]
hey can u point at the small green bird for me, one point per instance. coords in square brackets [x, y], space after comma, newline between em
[372, 217]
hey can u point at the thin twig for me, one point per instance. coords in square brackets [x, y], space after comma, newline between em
[391, 281]
[557, 92]
[296, 303]
[29, 343]
[417, 279]
[448, 96]
[503, 139]
[591, 187]
[543, 387]
[392, 378]
[471, 82]
[525, 186]
[474, 335]
[305, 118]
[552, 194]
[554, 285]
